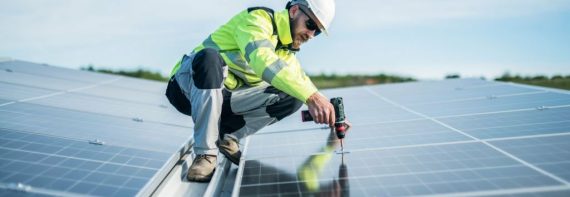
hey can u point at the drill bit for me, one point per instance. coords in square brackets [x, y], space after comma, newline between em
[341, 146]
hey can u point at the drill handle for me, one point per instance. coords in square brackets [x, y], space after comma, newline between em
[306, 116]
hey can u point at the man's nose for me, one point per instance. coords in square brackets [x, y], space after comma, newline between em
[312, 34]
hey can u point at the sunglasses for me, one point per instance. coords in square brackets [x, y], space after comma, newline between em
[311, 25]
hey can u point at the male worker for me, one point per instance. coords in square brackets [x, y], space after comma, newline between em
[245, 76]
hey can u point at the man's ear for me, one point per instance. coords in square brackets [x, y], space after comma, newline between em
[293, 10]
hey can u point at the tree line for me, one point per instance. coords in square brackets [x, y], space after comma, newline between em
[336, 81]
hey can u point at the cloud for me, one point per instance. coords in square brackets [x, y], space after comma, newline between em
[129, 33]
[126, 32]
[72, 22]
[366, 14]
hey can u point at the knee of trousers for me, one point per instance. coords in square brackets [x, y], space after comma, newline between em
[208, 69]
[286, 106]
[177, 98]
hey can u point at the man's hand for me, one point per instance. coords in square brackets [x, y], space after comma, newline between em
[321, 109]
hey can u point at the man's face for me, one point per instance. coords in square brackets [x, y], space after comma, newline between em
[302, 27]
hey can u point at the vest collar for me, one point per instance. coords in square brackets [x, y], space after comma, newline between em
[283, 27]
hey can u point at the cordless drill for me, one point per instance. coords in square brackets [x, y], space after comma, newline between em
[339, 125]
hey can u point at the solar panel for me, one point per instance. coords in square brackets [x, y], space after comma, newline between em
[88, 126]
[44, 70]
[513, 123]
[492, 104]
[66, 132]
[363, 137]
[465, 137]
[75, 166]
[12, 92]
[113, 107]
[40, 81]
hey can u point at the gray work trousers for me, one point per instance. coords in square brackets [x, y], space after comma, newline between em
[197, 89]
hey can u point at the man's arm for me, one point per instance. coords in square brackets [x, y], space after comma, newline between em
[280, 70]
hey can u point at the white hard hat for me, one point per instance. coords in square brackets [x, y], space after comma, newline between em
[322, 9]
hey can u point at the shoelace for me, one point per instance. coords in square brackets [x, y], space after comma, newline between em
[227, 142]
[203, 157]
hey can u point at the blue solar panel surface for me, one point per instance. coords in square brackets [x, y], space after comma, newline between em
[464, 137]
[65, 132]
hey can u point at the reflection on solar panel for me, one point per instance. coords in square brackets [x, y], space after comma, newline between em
[65, 132]
[465, 137]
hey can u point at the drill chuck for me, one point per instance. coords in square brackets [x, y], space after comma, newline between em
[340, 130]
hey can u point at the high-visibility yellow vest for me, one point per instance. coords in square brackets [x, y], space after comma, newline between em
[255, 46]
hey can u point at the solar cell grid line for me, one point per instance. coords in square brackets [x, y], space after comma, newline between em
[362, 137]
[551, 191]
[63, 92]
[405, 171]
[21, 92]
[150, 158]
[493, 104]
[527, 136]
[479, 140]
[141, 85]
[510, 124]
[58, 83]
[503, 190]
[487, 97]
[45, 70]
[551, 153]
[535, 87]
[446, 93]
[86, 126]
[133, 174]
[40, 81]
[506, 111]
[106, 106]
[15, 190]
[433, 85]
[412, 146]
[7, 103]
[124, 94]
[33, 109]
[293, 122]
[16, 92]
[73, 179]
[73, 145]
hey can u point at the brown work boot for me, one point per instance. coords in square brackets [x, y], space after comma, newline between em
[202, 168]
[230, 148]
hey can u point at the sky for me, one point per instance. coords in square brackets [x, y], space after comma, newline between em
[424, 39]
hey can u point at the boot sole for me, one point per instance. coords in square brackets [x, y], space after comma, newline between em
[228, 155]
[232, 159]
[202, 179]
